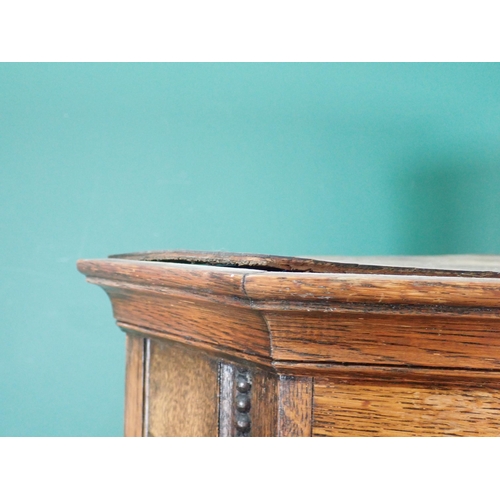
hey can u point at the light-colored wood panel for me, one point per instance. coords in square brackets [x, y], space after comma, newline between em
[404, 410]
[295, 406]
[465, 262]
[182, 392]
[134, 383]
[459, 342]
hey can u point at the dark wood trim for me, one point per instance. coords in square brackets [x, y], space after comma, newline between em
[248, 401]
[226, 399]
[389, 374]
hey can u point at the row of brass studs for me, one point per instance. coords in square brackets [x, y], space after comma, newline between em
[243, 402]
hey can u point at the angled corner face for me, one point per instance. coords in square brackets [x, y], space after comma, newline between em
[203, 306]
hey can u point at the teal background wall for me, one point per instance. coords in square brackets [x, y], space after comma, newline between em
[292, 159]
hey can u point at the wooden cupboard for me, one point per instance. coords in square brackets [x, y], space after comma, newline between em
[252, 345]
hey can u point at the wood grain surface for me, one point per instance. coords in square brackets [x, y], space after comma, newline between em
[418, 320]
[215, 350]
[200, 321]
[134, 382]
[295, 396]
[264, 403]
[389, 374]
[172, 277]
[455, 342]
[183, 390]
[333, 349]
[263, 400]
[374, 288]
[359, 409]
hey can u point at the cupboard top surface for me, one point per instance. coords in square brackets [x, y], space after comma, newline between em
[425, 265]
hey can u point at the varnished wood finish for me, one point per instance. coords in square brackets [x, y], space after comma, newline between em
[397, 339]
[182, 396]
[213, 349]
[134, 382]
[360, 409]
[203, 322]
[352, 318]
[326, 288]
[295, 406]
[414, 345]
[263, 403]
[390, 374]
[173, 278]
[202, 305]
